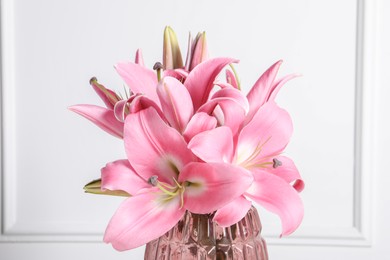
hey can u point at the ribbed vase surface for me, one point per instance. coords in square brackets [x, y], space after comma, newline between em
[197, 237]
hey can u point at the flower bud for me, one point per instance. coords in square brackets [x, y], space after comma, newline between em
[95, 187]
[171, 51]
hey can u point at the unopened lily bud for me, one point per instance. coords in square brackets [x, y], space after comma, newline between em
[199, 50]
[171, 51]
[95, 187]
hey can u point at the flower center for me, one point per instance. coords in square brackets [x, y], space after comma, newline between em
[169, 192]
[254, 160]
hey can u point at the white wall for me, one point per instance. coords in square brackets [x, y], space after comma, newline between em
[340, 107]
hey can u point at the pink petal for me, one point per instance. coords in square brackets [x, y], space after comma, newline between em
[119, 175]
[266, 135]
[233, 105]
[176, 102]
[277, 196]
[215, 145]
[139, 79]
[231, 79]
[141, 102]
[260, 91]
[210, 186]
[288, 172]
[224, 84]
[199, 122]
[234, 95]
[232, 212]
[134, 104]
[108, 96]
[141, 219]
[139, 59]
[179, 74]
[200, 81]
[102, 117]
[279, 84]
[120, 110]
[154, 148]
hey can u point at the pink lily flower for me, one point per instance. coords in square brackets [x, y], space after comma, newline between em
[159, 159]
[101, 116]
[105, 118]
[258, 149]
[175, 103]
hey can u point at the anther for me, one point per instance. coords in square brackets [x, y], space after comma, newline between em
[276, 162]
[92, 80]
[158, 67]
[153, 180]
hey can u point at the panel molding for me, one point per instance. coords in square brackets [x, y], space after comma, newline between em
[357, 235]
[8, 115]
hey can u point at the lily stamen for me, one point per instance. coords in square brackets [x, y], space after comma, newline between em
[254, 154]
[161, 187]
[168, 190]
[158, 67]
[178, 184]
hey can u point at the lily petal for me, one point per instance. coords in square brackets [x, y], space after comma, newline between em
[266, 135]
[102, 117]
[279, 84]
[119, 175]
[134, 104]
[142, 218]
[176, 102]
[210, 186]
[215, 145]
[141, 102]
[288, 172]
[233, 94]
[231, 79]
[179, 74]
[232, 212]
[260, 91]
[201, 79]
[120, 110]
[108, 96]
[277, 196]
[139, 59]
[154, 148]
[233, 105]
[199, 122]
[139, 79]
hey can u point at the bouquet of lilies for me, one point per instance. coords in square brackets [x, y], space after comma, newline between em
[193, 142]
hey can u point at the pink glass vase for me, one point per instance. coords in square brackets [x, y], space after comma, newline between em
[197, 237]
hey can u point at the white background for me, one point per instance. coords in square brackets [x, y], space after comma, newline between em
[340, 108]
